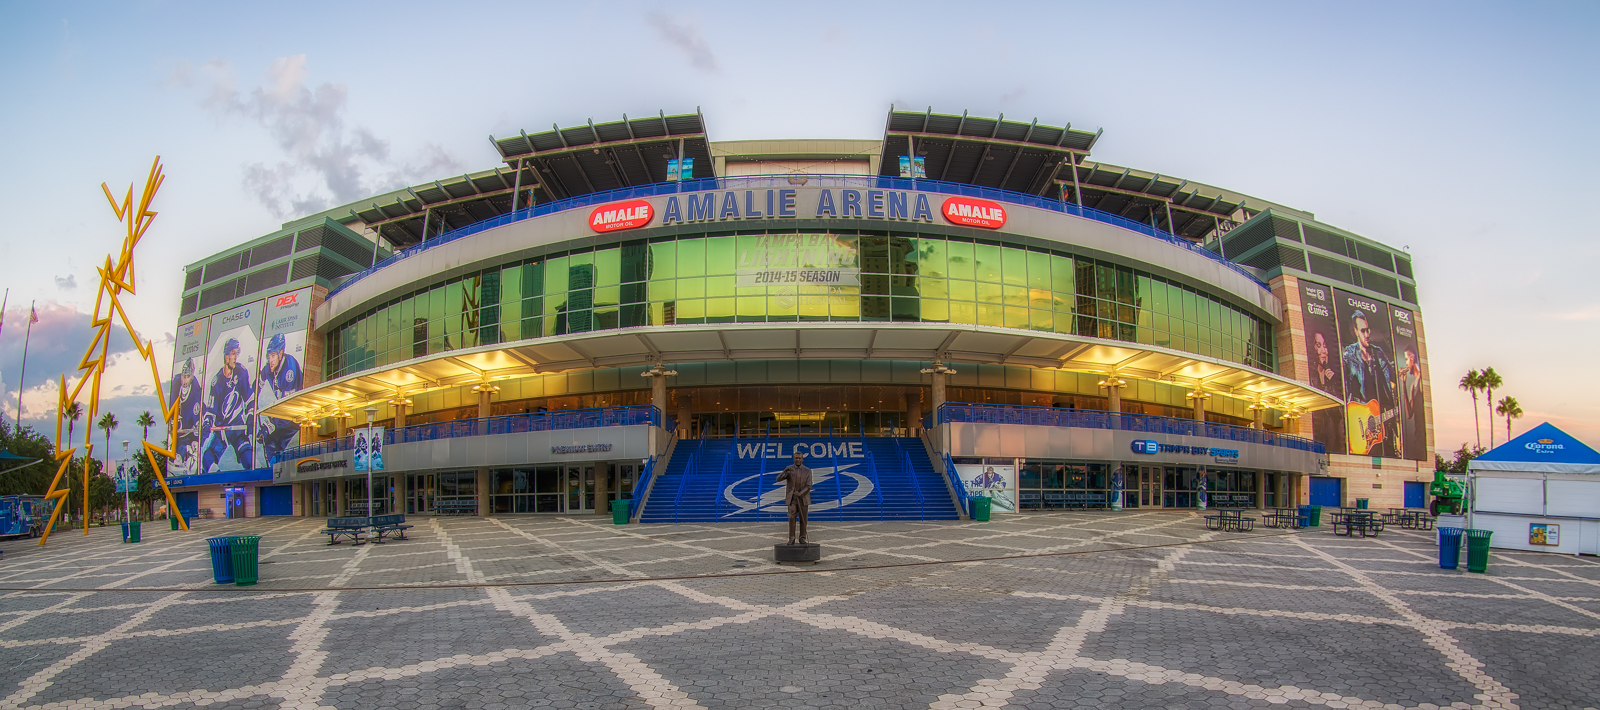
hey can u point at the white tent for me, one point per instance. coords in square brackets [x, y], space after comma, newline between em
[1539, 491]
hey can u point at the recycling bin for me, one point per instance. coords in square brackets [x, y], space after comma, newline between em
[981, 506]
[1478, 550]
[221, 559]
[245, 560]
[619, 511]
[1449, 548]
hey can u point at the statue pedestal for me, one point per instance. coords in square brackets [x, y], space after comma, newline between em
[808, 553]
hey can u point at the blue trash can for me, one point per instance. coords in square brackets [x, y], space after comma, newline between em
[124, 531]
[1305, 516]
[1450, 547]
[221, 559]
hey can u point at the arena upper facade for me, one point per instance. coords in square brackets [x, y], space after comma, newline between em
[969, 282]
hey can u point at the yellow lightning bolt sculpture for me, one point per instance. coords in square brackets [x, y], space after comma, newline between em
[115, 277]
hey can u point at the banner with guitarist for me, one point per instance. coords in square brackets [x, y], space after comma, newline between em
[1322, 349]
[1408, 381]
[1372, 410]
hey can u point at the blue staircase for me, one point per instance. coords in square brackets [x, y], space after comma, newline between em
[732, 480]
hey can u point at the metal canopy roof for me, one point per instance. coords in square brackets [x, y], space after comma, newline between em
[606, 156]
[733, 342]
[443, 204]
[1197, 209]
[990, 152]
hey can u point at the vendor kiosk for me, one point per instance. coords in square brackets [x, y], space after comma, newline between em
[1539, 491]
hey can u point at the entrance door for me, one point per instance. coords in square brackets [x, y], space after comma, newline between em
[188, 503]
[620, 479]
[1325, 491]
[277, 500]
[1415, 494]
[1149, 487]
[419, 492]
[580, 488]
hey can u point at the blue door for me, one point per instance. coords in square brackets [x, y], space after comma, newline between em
[188, 503]
[1325, 491]
[1416, 492]
[277, 500]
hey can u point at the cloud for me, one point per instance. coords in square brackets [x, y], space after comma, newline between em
[1591, 312]
[687, 38]
[1014, 95]
[325, 162]
[67, 283]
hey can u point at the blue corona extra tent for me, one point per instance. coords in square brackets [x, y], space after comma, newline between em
[1539, 491]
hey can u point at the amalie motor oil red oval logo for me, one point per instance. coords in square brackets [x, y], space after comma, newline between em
[618, 216]
[971, 212]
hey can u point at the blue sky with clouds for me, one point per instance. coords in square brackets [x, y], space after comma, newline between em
[1454, 129]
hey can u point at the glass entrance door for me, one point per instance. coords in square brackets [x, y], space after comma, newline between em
[620, 478]
[1149, 487]
[419, 493]
[580, 488]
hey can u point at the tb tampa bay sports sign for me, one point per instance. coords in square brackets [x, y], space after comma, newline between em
[794, 203]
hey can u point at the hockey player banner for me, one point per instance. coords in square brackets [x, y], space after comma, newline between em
[280, 376]
[188, 367]
[369, 448]
[227, 436]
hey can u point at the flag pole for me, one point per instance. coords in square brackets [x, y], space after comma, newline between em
[32, 316]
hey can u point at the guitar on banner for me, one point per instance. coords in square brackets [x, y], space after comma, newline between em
[1367, 424]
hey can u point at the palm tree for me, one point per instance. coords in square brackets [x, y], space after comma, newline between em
[75, 412]
[1471, 383]
[145, 421]
[1491, 380]
[108, 423]
[1509, 409]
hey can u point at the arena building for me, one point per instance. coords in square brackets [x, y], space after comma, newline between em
[632, 311]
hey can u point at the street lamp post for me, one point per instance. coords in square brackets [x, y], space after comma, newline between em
[371, 412]
[125, 509]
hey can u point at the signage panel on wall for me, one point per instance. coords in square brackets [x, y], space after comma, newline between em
[618, 216]
[973, 212]
[227, 429]
[1409, 379]
[368, 448]
[913, 167]
[997, 482]
[1322, 348]
[188, 369]
[280, 376]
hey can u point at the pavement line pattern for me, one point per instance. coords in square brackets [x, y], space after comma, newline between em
[404, 635]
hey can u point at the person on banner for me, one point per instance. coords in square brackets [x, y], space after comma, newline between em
[1369, 390]
[375, 450]
[1411, 396]
[227, 421]
[191, 408]
[281, 377]
[1322, 373]
[359, 450]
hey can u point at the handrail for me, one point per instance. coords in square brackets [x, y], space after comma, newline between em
[1092, 419]
[838, 483]
[869, 181]
[683, 485]
[905, 458]
[722, 482]
[506, 424]
[955, 482]
[878, 488]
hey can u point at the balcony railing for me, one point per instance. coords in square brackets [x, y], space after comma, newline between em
[509, 424]
[764, 181]
[954, 412]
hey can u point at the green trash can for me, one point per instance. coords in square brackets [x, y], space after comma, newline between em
[245, 559]
[980, 508]
[1316, 516]
[174, 520]
[619, 511]
[1478, 550]
[133, 531]
[1361, 504]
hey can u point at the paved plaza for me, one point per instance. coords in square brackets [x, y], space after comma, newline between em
[1115, 610]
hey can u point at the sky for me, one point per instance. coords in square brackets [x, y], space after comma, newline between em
[1457, 131]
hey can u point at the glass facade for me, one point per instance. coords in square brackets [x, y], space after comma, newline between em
[1054, 485]
[711, 279]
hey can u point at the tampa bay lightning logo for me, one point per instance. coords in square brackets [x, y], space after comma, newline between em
[760, 491]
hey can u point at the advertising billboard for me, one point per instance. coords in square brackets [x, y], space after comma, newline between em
[1372, 407]
[188, 367]
[288, 319]
[1322, 348]
[227, 429]
[1408, 381]
[997, 482]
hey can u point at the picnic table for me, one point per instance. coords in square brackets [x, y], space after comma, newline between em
[1282, 518]
[1352, 521]
[1230, 521]
[1415, 519]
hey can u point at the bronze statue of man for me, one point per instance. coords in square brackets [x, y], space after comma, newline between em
[797, 493]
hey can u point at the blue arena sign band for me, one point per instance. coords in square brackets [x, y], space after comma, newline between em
[782, 204]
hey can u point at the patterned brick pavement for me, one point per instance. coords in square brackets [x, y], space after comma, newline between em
[1132, 609]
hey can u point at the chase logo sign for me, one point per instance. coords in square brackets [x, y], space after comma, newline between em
[1544, 446]
[617, 216]
[1146, 446]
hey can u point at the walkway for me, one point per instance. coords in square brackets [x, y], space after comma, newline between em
[1132, 609]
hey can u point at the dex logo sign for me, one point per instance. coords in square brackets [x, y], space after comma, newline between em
[617, 216]
[1146, 446]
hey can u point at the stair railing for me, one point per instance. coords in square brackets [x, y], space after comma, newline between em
[722, 483]
[833, 455]
[955, 483]
[683, 485]
[872, 463]
[916, 486]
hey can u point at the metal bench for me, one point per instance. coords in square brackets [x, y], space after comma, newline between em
[389, 524]
[348, 527]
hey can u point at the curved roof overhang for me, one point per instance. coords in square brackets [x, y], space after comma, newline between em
[780, 341]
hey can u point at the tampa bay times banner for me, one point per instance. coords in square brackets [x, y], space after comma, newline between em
[1322, 347]
[188, 369]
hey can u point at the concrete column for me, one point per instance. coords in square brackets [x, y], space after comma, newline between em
[484, 396]
[658, 391]
[1199, 408]
[1258, 418]
[338, 497]
[1113, 386]
[1261, 489]
[400, 406]
[601, 484]
[914, 412]
[341, 422]
[685, 419]
[483, 490]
